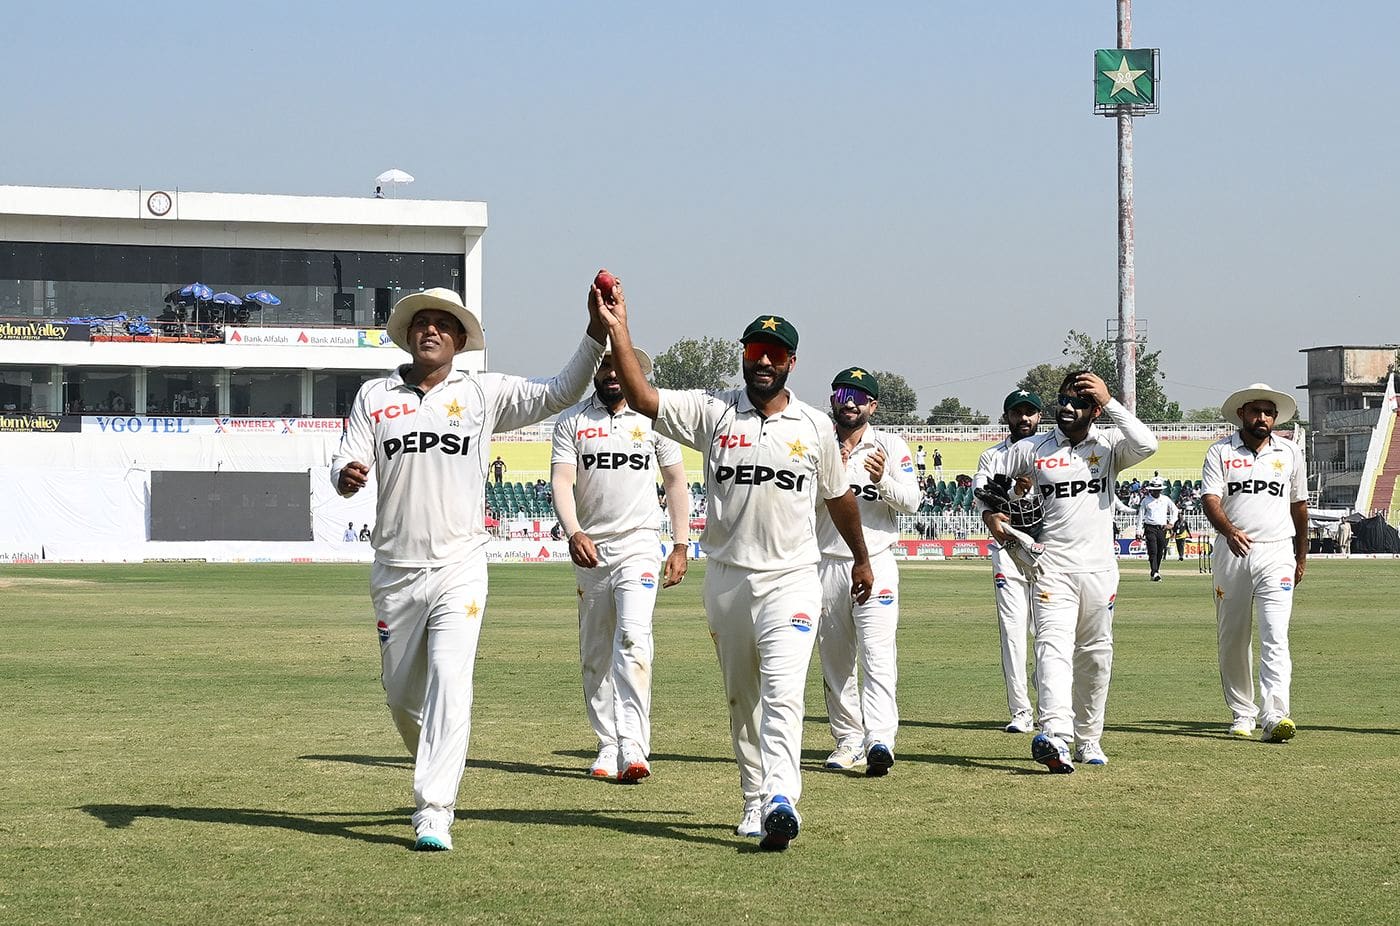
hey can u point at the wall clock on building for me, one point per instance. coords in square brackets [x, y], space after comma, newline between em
[158, 202]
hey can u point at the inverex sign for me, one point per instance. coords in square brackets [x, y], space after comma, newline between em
[306, 337]
[124, 424]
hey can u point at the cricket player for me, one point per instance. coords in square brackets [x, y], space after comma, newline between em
[863, 714]
[1021, 413]
[1074, 468]
[426, 429]
[769, 459]
[603, 470]
[1254, 488]
[1156, 513]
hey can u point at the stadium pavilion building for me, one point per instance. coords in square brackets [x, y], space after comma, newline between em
[213, 337]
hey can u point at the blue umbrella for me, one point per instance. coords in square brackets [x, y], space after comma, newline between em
[263, 296]
[198, 291]
[226, 299]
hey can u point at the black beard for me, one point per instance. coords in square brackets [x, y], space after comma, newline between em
[766, 392]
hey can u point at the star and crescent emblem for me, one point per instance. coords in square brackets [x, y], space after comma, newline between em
[1094, 459]
[770, 324]
[857, 373]
[473, 610]
[796, 449]
[638, 435]
[1124, 78]
[454, 409]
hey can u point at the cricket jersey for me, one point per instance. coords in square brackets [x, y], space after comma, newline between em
[429, 451]
[1076, 483]
[617, 457]
[881, 502]
[763, 476]
[1256, 489]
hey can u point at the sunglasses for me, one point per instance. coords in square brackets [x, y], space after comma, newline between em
[844, 394]
[1076, 401]
[777, 354]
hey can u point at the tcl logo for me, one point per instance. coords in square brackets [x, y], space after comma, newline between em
[730, 441]
[1237, 463]
[1051, 463]
[393, 411]
[585, 433]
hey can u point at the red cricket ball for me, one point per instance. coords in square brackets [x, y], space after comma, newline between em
[605, 282]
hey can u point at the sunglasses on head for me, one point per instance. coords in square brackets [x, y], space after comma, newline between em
[843, 394]
[1075, 401]
[755, 351]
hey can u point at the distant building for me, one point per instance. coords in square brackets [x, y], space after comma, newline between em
[1346, 386]
[335, 265]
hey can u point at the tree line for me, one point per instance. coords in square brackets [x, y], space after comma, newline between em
[713, 363]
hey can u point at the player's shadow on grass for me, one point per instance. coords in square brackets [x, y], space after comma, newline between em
[659, 824]
[347, 826]
[588, 755]
[1215, 729]
[371, 761]
[814, 761]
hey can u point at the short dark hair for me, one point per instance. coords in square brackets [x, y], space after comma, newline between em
[1071, 377]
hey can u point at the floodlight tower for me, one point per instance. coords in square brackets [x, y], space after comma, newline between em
[1125, 85]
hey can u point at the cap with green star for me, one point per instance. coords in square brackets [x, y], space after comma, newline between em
[1022, 397]
[773, 328]
[860, 378]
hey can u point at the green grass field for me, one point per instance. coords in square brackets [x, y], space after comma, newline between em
[208, 744]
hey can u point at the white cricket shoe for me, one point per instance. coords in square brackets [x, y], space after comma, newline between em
[1243, 726]
[751, 823]
[1280, 731]
[1090, 753]
[632, 764]
[605, 766]
[846, 755]
[433, 837]
[1021, 722]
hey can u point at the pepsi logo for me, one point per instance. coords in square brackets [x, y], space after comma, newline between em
[802, 622]
[648, 580]
[885, 596]
[1000, 579]
[907, 465]
[1286, 583]
[383, 629]
[1112, 600]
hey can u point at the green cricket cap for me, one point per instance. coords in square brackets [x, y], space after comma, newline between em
[1022, 397]
[773, 328]
[860, 378]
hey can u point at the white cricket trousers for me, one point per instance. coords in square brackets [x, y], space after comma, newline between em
[1013, 597]
[1073, 614]
[615, 604]
[429, 621]
[853, 633]
[1263, 577]
[764, 625]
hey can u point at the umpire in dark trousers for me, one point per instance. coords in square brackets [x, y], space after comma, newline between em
[1157, 511]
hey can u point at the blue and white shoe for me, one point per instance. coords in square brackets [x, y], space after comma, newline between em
[432, 838]
[780, 824]
[878, 760]
[751, 823]
[1051, 752]
[1090, 752]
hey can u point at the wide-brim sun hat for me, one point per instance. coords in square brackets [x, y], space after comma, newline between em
[444, 300]
[1259, 392]
[643, 358]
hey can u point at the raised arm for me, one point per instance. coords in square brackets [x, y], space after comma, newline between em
[640, 394]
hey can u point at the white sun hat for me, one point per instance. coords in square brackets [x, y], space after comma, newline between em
[642, 356]
[444, 300]
[1259, 392]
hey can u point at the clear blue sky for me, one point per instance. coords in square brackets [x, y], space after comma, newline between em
[919, 187]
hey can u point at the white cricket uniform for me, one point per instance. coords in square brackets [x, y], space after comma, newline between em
[616, 459]
[1256, 492]
[1013, 594]
[764, 478]
[428, 582]
[865, 633]
[1073, 606]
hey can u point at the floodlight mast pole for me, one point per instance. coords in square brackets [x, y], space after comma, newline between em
[1127, 296]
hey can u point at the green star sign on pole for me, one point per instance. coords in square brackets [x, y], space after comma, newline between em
[1125, 76]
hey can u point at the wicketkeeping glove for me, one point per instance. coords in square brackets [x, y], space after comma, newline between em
[1025, 551]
